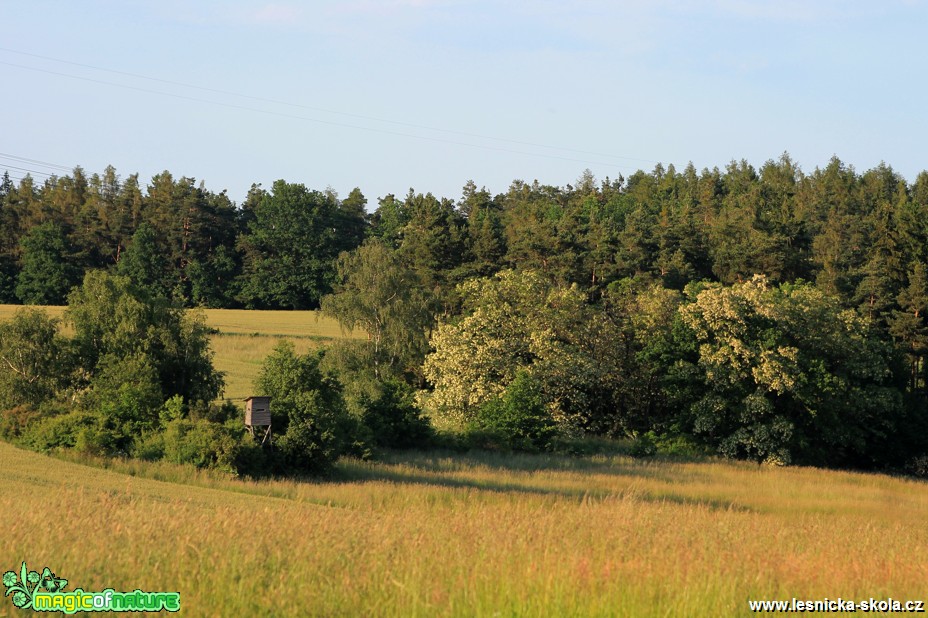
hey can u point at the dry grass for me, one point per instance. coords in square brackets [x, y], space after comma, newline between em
[280, 324]
[240, 359]
[425, 535]
[7, 311]
[245, 338]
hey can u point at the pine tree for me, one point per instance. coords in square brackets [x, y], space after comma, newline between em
[46, 275]
[909, 324]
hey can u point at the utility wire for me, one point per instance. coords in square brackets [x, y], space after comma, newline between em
[315, 120]
[65, 168]
[27, 170]
[329, 111]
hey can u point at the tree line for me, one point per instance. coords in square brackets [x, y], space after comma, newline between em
[858, 236]
[764, 313]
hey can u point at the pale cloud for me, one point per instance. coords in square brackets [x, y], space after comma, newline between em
[388, 7]
[803, 10]
[276, 14]
[237, 13]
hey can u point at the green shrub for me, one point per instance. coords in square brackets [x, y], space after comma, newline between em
[172, 410]
[252, 459]
[217, 412]
[588, 446]
[393, 418]
[102, 438]
[201, 443]
[127, 395]
[680, 446]
[309, 412]
[61, 431]
[149, 446]
[917, 466]
[37, 361]
[518, 417]
[315, 436]
[673, 445]
[644, 445]
[16, 421]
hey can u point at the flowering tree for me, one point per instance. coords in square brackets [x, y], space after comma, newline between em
[788, 375]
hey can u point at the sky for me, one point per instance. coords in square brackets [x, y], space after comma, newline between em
[389, 95]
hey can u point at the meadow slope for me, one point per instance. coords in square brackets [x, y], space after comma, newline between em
[440, 535]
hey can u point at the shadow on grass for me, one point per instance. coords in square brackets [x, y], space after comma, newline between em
[257, 335]
[449, 470]
[612, 464]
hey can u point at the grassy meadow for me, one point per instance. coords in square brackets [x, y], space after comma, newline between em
[470, 535]
[245, 338]
[441, 534]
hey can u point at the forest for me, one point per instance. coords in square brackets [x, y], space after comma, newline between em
[766, 314]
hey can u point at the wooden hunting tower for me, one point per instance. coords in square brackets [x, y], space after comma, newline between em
[258, 418]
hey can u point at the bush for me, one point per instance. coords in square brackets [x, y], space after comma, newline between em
[309, 410]
[251, 459]
[673, 445]
[644, 445]
[217, 412]
[127, 394]
[393, 418]
[37, 361]
[102, 438]
[149, 446]
[315, 436]
[518, 417]
[201, 443]
[15, 422]
[785, 374]
[680, 446]
[918, 466]
[591, 446]
[62, 431]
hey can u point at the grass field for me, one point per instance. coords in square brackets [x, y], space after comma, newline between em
[460, 535]
[479, 535]
[245, 338]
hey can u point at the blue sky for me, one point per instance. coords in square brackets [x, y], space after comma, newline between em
[388, 95]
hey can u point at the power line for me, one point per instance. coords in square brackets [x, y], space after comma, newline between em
[27, 170]
[329, 111]
[64, 168]
[315, 120]
[324, 110]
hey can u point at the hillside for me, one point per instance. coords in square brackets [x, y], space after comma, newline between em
[470, 535]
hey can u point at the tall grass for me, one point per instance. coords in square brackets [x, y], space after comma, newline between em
[440, 535]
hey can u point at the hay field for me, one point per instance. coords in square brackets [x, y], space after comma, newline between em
[245, 338]
[479, 535]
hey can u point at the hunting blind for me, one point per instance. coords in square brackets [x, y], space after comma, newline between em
[258, 418]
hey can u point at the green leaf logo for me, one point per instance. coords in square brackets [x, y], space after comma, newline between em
[22, 587]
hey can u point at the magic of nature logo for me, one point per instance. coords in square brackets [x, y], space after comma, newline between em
[45, 592]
